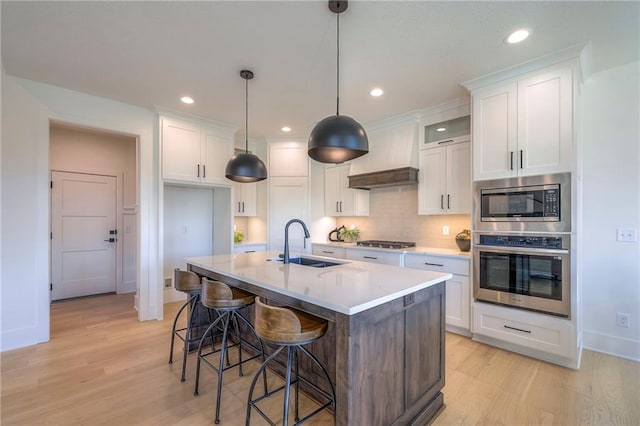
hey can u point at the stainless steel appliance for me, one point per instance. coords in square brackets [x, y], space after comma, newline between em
[530, 271]
[385, 244]
[525, 204]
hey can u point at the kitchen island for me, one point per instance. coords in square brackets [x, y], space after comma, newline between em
[384, 348]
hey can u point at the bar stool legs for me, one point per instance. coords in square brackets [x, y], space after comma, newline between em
[292, 364]
[227, 302]
[291, 329]
[192, 304]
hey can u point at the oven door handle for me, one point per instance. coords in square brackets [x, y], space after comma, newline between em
[523, 250]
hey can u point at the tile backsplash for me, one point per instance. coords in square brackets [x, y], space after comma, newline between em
[394, 216]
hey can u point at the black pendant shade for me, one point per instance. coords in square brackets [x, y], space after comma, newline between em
[337, 138]
[246, 167]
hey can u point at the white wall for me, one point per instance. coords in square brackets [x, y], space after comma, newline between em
[27, 107]
[610, 156]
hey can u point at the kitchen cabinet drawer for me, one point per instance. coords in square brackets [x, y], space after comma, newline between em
[535, 331]
[374, 256]
[437, 263]
[329, 251]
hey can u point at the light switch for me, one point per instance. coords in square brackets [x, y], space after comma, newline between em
[627, 235]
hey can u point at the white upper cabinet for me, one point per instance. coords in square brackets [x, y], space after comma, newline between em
[194, 153]
[339, 199]
[524, 126]
[246, 196]
[288, 158]
[445, 180]
[217, 151]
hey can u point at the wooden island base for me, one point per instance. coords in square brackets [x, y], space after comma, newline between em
[386, 363]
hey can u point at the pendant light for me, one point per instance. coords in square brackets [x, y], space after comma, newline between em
[246, 167]
[337, 138]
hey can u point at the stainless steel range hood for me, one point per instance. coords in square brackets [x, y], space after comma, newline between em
[384, 178]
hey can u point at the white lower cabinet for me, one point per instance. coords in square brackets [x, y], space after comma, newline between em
[374, 256]
[538, 332]
[458, 292]
[329, 251]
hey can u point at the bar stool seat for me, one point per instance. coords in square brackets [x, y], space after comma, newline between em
[289, 328]
[227, 302]
[187, 282]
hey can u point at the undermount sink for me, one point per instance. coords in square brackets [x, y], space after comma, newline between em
[315, 263]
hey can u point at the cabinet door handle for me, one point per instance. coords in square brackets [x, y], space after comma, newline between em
[198, 170]
[250, 251]
[369, 257]
[204, 170]
[239, 207]
[441, 142]
[327, 251]
[517, 329]
[441, 202]
[243, 207]
[337, 204]
[340, 206]
[521, 163]
[448, 201]
[511, 161]
[434, 264]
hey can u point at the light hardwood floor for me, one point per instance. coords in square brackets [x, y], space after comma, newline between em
[102, 366]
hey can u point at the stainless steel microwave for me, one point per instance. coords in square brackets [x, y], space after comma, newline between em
[528, 204]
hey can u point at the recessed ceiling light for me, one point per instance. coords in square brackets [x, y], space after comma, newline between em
[376, 92]
[441, 129]
[286, 129]
[517, 36]
[186, 100]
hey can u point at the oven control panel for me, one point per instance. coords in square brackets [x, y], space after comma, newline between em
[521, 241]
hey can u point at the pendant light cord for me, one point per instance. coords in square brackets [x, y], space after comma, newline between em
[338, 65]
[246, 116]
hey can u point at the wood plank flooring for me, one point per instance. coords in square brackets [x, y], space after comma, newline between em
[103, 367]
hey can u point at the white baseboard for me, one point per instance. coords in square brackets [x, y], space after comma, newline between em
[127, 287]
[611, 345]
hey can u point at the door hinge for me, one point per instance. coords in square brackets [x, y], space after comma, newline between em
[51, 287]
[51, 235]
[51, 184]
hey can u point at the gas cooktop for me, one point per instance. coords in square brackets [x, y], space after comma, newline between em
[385, 244]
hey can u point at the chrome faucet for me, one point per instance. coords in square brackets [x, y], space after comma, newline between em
[286, 237]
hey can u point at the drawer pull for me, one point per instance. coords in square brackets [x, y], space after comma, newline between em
[250, 251]
[433, 264]
[327, 251]
[370, 257]
[517, 329]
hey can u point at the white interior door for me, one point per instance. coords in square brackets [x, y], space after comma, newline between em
[83, 211]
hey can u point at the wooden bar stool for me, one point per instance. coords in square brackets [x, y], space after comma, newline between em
[227, 302]
[189, 283]
[291, 329]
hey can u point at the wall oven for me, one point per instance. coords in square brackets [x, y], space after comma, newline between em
[524, 204]
[530, 271]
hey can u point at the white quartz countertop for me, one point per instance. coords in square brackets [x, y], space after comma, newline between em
[436, 251]
[348, 288]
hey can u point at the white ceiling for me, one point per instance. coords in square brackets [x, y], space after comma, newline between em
[152, 53]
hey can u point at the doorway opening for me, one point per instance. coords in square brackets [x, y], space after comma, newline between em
[94, 211]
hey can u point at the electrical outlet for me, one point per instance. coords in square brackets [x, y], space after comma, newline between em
[167, 282]
[622, 319]
[445, 230]
[627, 235]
